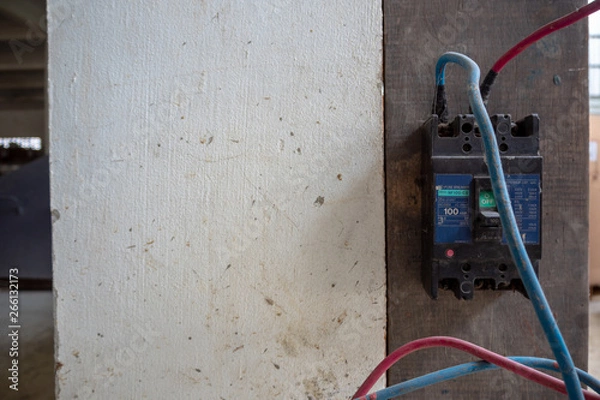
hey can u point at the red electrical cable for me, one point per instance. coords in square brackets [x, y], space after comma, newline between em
[477, 351]
[544, 31]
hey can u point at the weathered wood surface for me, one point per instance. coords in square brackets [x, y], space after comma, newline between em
[550, 79]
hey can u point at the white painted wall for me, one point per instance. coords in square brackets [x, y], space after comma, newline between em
[218, 172]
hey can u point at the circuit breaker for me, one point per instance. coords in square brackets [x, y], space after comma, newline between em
[464, 246]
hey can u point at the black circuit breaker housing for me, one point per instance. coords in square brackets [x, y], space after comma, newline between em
[464, 248]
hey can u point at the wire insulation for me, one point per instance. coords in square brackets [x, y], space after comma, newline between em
[471, 368]
[509, 223]
[544, 31]
[540, 33]
[473, 349]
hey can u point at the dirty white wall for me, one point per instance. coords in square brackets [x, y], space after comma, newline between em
[217, 190]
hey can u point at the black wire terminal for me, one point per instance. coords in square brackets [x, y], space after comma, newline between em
[440, 108]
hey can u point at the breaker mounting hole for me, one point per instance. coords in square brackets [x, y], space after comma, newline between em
[467, 148]
[503, 147]
[503, 127]
[466, 127]
[465, 267]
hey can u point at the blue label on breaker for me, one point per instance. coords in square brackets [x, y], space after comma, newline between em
[452, 205]
[524, 192]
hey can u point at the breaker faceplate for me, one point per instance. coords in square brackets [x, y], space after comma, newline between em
[464, 248]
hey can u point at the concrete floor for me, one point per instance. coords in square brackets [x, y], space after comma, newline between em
[36, 380]
[36, 346]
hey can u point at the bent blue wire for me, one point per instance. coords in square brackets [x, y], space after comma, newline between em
[471, 368]
[509, 222]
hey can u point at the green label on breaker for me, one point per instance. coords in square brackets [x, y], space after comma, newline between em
[453, 193]
[486, 199]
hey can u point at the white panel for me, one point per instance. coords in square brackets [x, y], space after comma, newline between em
[218, 172]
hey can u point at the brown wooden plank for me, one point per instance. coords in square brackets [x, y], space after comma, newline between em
[10, 29]
[24, 10]
[35, 79]
[18, 55]
[23, 123]
[22, 99]
[550, 79]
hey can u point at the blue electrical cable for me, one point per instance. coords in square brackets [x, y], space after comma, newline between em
[509, 222]
[471, 368]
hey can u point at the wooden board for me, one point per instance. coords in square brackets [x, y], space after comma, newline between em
[550, 79]
[594, 267]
